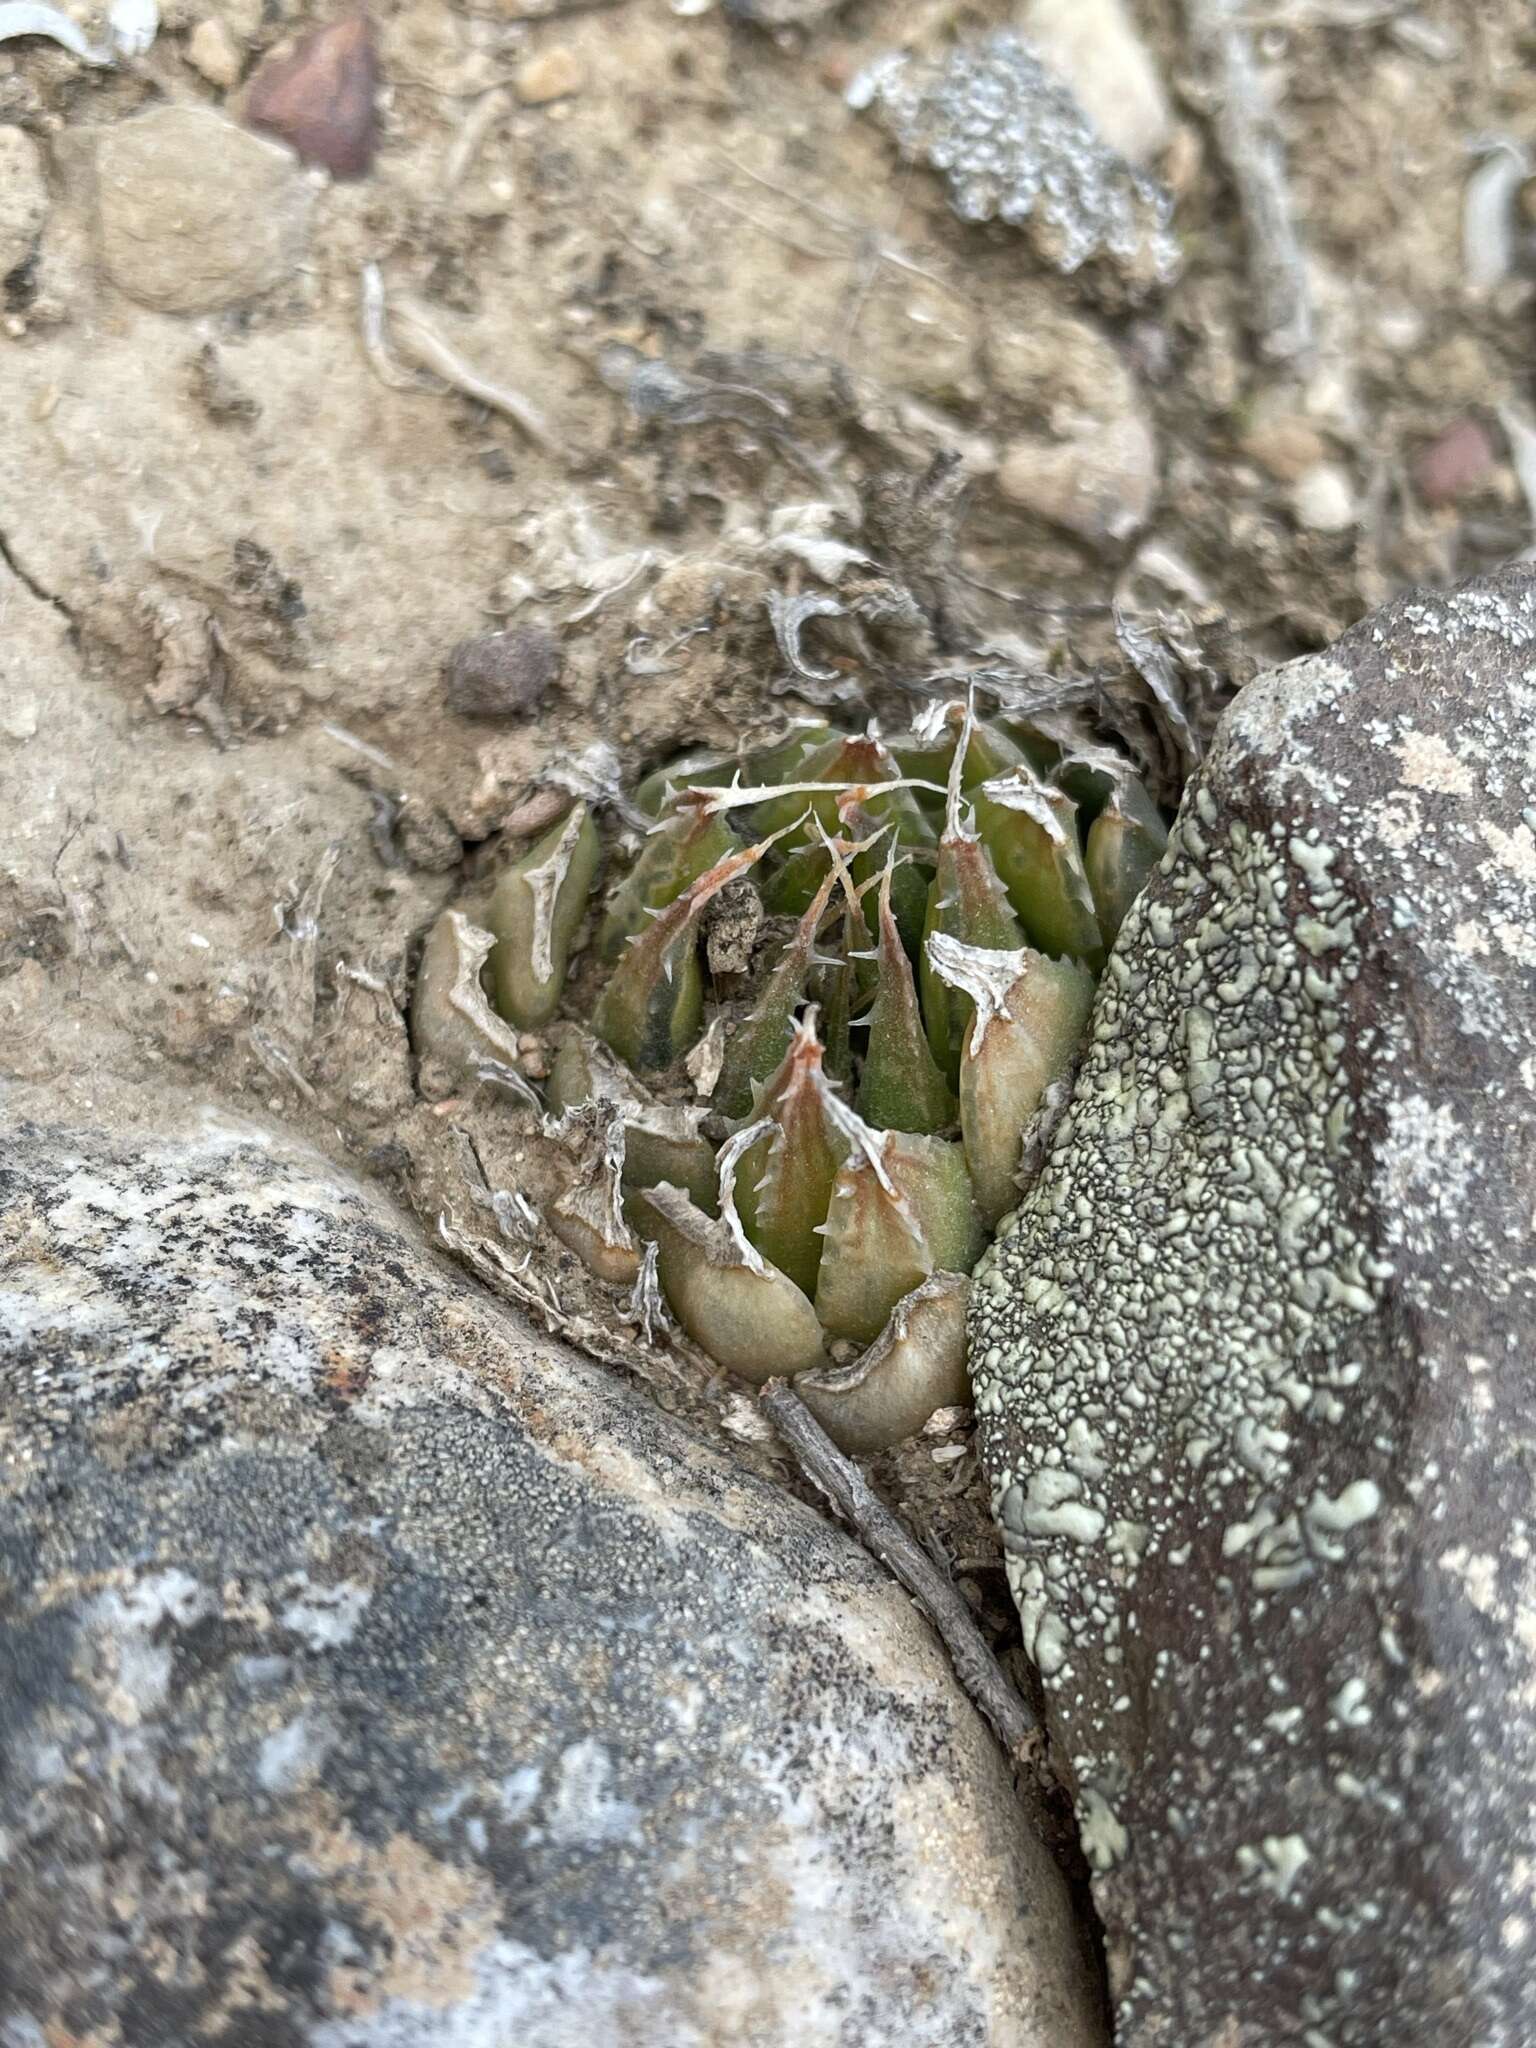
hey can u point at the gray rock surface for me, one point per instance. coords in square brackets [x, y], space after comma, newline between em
[195, 213]
[1254, 1366]
[380, 1675]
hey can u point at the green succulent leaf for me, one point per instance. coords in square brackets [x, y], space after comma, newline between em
[763, 1037]
[652, 1008]
[1030, 1013]
[901, 1209]
[688, 844]
[1030, 829]
[534, 911]
[915, 1365]
[1125, 843]
[901, 1087]
[660, 790]
[966, 901]
[784, 1178]
[745, 1313]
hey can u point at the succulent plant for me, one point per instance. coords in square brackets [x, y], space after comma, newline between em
[823, 1001]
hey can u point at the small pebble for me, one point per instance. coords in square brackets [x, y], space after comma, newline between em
[213, 52]
[23, 198]
[731, 926]
[319, 97]
[194, 214]
[554, 74]
[502, 675]
[1100, 485]
[1097, 48]
[1287, 447]
[425, 837]
[18, 718]
[1324, 499]
[1456, 462]
[1094, 468]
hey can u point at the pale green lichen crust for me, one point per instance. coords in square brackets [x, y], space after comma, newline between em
[1252, 1367]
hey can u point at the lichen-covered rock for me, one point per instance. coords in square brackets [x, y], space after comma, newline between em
[1254, 1367]
[1015, 146]
[380, 1675]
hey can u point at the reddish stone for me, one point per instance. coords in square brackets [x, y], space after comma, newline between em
[319, 99]
[1455, 462]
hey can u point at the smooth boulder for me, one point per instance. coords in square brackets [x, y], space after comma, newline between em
[379, 1674]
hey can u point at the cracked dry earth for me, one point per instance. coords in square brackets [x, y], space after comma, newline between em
[388, 1674]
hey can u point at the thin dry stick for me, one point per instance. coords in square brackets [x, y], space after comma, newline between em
[1244, 126]
[845, 1486]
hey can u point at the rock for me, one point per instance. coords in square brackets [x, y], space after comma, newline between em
[194, 213]
[920, 338]
[18, 718]
[379, 1672]
[502, 675]
[1015, 146]
[1096, 47]
[1286, 445]
[1323, 499]
[1100, 485]
[1456, 463]
[554, 74]
[319, 97]
[1089, 464]
[213, 52]
[425, 836]
[23, 198]
[777, 14]
[1254, 1366]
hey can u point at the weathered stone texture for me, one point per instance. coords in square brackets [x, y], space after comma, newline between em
[379, 1675]
[193, 213]
[1254, 1364]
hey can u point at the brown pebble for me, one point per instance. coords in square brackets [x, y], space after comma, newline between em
[502, 675]
[535, 813]
[1456, 462]
[319, 98]
[212, 50]
[1286, 446]
[554, 74]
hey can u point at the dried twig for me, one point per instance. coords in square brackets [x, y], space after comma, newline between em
[473, 129]
[845, 1486]
[419, 341]
[1244, 126]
